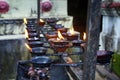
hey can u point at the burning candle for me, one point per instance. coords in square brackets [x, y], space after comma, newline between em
[72, 35]
[35, 44]
[33, 39]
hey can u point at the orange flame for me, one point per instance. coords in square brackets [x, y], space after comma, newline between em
[25, 20]
[84, 36]
[26, 33]
[28, 47]
[60, 37]
[71, 30]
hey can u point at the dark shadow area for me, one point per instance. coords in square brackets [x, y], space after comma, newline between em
[78, 9]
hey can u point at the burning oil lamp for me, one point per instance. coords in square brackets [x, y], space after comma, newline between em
[72, 35]
[33, 39]
[30, 34]
[57, 26]
[84, 36]
[51, 35]
[31, 29]
[60, 43]
[35, 44]
[62, 30]
[41, 22]
[84, 39]
[36, 50]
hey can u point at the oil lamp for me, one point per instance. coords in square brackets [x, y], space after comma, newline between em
[72, 35]
[60, 43]
[51, 35]
[35, 44]
[33, 39]
[31, 29]
[30, 34]
[62, 30]
[36, 51]
[41, 22]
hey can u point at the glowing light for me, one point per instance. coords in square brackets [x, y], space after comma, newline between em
[25, 20]
[71, 31]
[26, 33]
[84, 36]
[41, 20]
[60, 37]
[28, 47]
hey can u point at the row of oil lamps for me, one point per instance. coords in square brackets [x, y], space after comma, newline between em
[61, 38]
[37, 47]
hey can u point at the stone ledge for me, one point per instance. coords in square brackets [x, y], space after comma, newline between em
[9, 37]
[103, 72]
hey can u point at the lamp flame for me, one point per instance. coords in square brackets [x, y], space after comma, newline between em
[84, 36]
[71, 30]
[25, 20]
[41, 20]
[28, 47]
[26, 33]
[60, 37]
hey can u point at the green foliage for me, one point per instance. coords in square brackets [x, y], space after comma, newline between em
[116, 63]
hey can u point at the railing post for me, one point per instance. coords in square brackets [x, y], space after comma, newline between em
[38, 9]
[92, 42]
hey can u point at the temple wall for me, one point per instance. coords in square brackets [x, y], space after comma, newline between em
[20, 9]
[28, 8]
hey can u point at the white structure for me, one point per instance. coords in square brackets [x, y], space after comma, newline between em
[110, 35]
[20, 9]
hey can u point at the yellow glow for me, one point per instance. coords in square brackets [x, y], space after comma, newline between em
[28, 47]
[71, 30]
[41, 20]
[26, 33]
[25, 20]
[84, 36]
[60, 37]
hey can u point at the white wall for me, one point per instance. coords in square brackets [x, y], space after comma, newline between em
[109, 23]
[22, 8]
